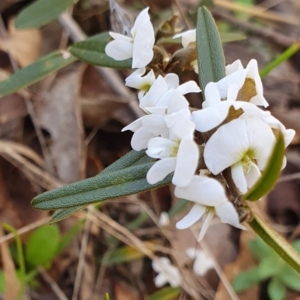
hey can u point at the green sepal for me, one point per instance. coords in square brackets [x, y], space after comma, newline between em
[92, 51]
[270, 174]
[211, 60]
[167, 293]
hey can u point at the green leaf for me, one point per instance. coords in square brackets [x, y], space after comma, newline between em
[92, 51]
[276, 290]
[107, 296]
[124, 254]
[42, 245]
[63, 213]
[41, 12]
[270, 174]
[290, 278]
[276, 242]
[270, 266]
[289, 52]
[167, 293]
[2, 282]
[246, 279]
[68, 237]
[34, 72]
[260, 249]
[131, 158]
[211, 61]
[109, 185]
[228, 37]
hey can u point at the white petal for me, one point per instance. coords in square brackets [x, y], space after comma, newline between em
[261, 137]
[119, 49]
[155, 124]
[118, 36]
[158, 88]
[141, 19]
[164, 219]
[186, 163]
[239, 177]
[160, 170]
[192, 217]
[178, 103]
[188, 37]
[202, 190]
[288, 136]
[210, 117]
[252, 176]
[236, 65]
[227, 213]
[134, 126]
[160, 280]
[172, 80]
[206, 224]
[159, 147]
[238, 78]
[212, 95]
[140, 139]
[188, 87]
[226, 146]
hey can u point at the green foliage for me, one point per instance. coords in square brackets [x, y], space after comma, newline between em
[211, 61]
[289, 52]
[92, 51]
[41, 12]
[115, 182]
[167, 293]
[34, 72]
[42, 245]
[271, 266]
[276, 242]
[270, 174]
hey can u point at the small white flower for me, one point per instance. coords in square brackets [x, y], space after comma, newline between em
[154, 124]
[178, 153]
[167, 273]
[210, 199]
[202, 263]
[164, 219]
[139, 46]
[245, 145]
[138, 81]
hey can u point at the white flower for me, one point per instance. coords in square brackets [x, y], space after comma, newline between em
[203, 262]
[138, 81]
[154, 124]
[164, 219]
[178, 153]
[167, 273]
[245, 145]
[210, 199]
[139, 46]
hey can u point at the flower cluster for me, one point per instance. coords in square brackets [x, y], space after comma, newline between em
[233, 133]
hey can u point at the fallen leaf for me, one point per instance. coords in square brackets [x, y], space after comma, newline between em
[23, 45]
[59, 113]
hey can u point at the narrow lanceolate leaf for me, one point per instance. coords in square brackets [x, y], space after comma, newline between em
[41, 12]
[65, 212]
[129, 159]
[92, 51]
[112, 184]
[289, 52]
[211, 61]
[270, 174]
[276, 242]
[34, 72]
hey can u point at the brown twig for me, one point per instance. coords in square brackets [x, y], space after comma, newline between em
[275, 37]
